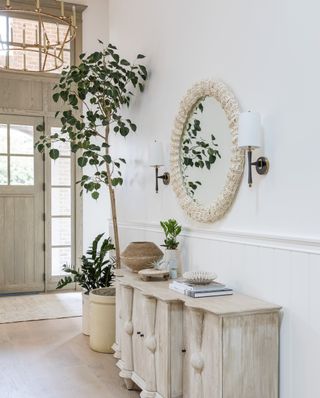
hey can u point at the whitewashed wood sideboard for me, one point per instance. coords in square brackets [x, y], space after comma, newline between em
[173, 346]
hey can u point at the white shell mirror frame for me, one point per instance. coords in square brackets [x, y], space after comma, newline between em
[212, 209]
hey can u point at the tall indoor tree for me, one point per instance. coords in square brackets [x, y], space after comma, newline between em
[94, 93]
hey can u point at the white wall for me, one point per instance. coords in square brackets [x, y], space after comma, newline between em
[95, 26]
[269, 243]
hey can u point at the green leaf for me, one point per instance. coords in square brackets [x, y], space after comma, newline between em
[107, 158]
[140, 56]
[82, 161]
[143, 69]
[95, 195]
[40, 127]
[54, 154]
[124, 62]
[40, 147]
[56, 97]
[73, 100]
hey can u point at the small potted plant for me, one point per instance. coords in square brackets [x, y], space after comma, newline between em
[96, 272]
[172, 256]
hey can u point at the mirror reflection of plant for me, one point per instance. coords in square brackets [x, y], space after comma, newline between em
[197, 151]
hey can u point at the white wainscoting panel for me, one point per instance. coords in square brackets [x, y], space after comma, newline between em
[277, 269]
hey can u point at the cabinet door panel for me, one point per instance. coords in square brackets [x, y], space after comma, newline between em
[138, 347]
[250, 354]
[162, 354]
[202, 360]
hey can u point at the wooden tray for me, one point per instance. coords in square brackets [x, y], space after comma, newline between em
[151, 274]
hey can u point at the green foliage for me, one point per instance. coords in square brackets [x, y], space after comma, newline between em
[197, 151]
[171, 229]
[96, 269]
[93, 94]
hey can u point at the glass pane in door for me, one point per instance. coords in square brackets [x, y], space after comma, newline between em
[59, 257]
[21, 140]
[3, 138]
[61, 231]
[61, 202]
[3, 170]
[21, 170]
[61, 172]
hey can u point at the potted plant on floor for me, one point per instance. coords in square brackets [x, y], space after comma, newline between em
[96, 272]
[172, 256]
[93, 95]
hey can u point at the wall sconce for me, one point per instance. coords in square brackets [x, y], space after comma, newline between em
[156, 160]
[249, 138]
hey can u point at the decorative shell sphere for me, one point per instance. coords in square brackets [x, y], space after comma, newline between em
[199, 277]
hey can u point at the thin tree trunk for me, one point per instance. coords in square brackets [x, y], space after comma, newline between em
[113, 204]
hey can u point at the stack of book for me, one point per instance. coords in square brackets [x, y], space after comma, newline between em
[196, 291]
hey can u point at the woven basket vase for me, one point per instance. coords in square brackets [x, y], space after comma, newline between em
[140, 255]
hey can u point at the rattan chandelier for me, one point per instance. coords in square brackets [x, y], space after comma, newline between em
[49, 37]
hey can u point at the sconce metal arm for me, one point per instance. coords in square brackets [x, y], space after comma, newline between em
[261, 165]
[165, 177]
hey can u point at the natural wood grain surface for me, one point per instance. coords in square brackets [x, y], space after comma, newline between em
[52, 359]
[221, 347]
[227, 305]
[250, 356]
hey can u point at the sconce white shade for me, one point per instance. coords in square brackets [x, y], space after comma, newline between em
[250, 130]
[156, 154]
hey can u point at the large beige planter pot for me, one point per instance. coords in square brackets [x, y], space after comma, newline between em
[140, 255]
[85, 314]
[102, 319]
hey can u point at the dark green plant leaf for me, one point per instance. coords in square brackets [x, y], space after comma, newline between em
[54, 153]
[82, 162]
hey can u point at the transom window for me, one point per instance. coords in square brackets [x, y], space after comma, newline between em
[16, 154]
[11, 29]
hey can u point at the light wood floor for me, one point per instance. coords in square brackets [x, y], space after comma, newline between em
[52, 359]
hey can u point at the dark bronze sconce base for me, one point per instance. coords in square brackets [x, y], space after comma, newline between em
[261, 164]
[165, 177]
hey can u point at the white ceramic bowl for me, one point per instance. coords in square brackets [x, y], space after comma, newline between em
[199, 277]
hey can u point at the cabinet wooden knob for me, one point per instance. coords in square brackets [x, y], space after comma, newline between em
[129, 328]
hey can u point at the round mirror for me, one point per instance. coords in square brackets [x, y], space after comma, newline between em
[206, 162]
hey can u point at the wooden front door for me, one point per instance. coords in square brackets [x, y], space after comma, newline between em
[22, 256]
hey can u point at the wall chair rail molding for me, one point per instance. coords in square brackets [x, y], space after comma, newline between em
[275, 241]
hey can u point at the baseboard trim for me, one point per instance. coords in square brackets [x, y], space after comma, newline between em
[281, 242]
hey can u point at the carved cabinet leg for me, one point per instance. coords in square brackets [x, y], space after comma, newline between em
[126, 335]
[117, 345]
[151, 346]
[196, 358]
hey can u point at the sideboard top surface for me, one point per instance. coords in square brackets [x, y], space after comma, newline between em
[222, 305]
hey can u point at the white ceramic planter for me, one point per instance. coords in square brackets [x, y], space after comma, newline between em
[102, 320]
[85, 314]
[173, 261]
